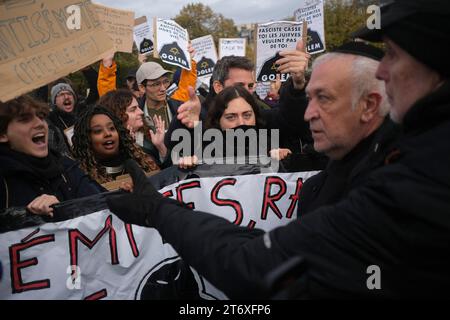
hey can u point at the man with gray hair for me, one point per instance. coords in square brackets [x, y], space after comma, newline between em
[347, 116]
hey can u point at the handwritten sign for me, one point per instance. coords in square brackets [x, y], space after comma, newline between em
[232, 47]
[119, 26]
[172, 43]
[312, 12]
[38, 44]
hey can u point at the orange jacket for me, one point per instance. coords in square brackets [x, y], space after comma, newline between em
[187, 78]
[106, 79]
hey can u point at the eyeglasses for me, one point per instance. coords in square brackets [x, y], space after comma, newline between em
[158, 84]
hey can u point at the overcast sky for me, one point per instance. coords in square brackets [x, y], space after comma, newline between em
[241, 11]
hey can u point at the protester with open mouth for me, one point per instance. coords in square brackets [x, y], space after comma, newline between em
[101, 144]
[31, 175]
[64, 108]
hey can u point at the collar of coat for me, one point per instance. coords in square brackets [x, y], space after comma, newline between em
[429, 111]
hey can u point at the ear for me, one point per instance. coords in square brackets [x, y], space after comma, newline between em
[3, 138]
[141, 87]
[217, 86]
[371, 105]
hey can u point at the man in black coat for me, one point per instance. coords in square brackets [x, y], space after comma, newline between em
[390, 237]
[347, 115]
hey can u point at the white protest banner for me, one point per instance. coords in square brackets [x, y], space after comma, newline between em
[98, 256]
[172, 42]
[143, 35]
[206, 57]
[118, 24]
[312, 12]
[271, 38]
[43, 40]
[232, 47]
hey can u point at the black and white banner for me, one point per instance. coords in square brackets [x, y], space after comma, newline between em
[206, 57]
[312, 12]
[271, 38]
[172, 42]
[143, 35]
[98, 256]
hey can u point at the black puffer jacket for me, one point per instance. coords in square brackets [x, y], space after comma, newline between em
[19, 184]
[397, 220]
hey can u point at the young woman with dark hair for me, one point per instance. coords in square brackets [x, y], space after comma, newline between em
[235, 108]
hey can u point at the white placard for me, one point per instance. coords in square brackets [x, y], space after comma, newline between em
[312, 12]
[271, 38]
[172, 42]
[206, 56]
[143, 36]
[232, 47]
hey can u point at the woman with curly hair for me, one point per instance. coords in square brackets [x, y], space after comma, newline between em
[148, 134]
[101, 144]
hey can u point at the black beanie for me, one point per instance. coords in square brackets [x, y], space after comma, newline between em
[360, 49]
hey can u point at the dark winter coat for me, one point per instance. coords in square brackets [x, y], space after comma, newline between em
[23, 185]
[340, 176]
[397, 222]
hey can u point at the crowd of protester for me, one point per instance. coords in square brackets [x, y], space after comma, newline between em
[374, 121]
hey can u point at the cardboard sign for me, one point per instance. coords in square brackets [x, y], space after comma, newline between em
[312, 12]
[143, 36]
[232, 47]
[172, 43]
[43, 40]
[271, 38]
[206, 57]
[118, 24]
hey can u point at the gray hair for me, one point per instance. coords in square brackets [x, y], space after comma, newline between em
[363, 78]
[222, 68]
